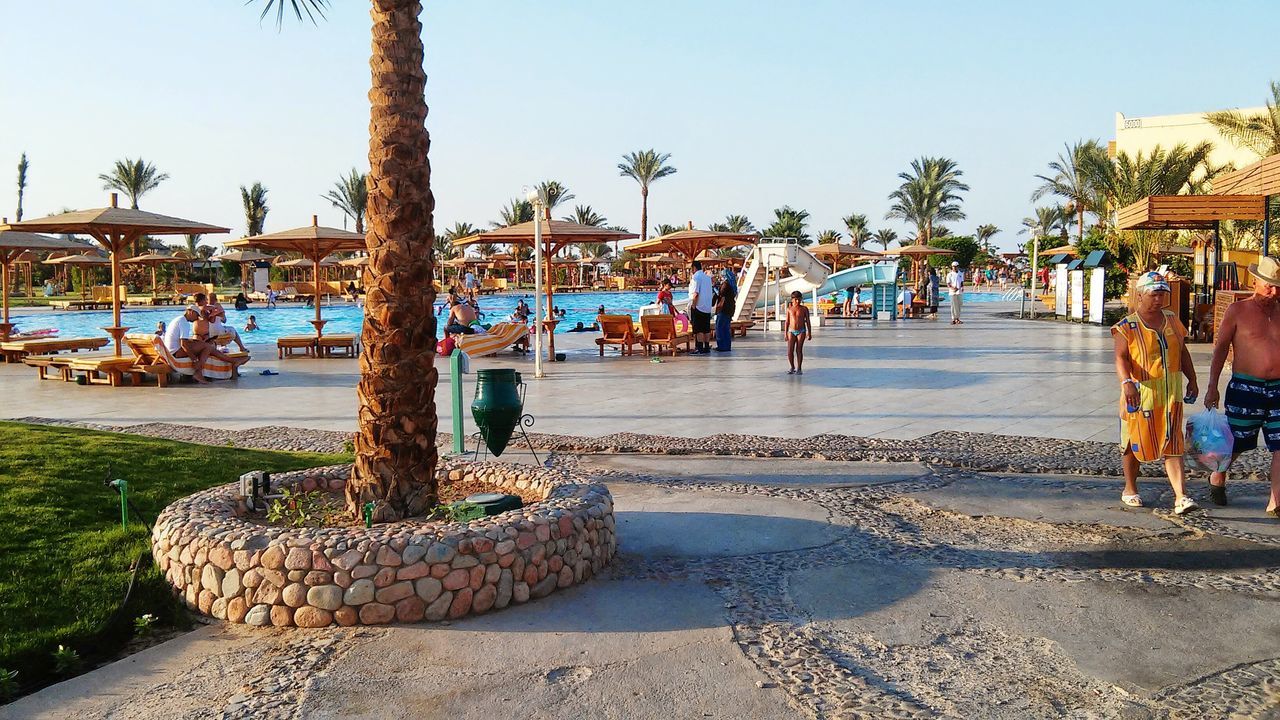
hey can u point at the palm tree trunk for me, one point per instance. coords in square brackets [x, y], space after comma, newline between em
[644, 217]
[1080, 230]
[396, 439]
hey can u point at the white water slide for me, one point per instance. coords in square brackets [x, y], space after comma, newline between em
[776, 269]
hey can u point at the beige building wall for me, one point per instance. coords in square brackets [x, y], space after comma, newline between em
[1142, 134]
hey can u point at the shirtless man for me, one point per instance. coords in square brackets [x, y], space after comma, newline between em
[1251, 328]
[461, 315]
[188, 336]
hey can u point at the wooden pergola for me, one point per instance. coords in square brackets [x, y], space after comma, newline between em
[116, 229]
[1192, 212]
[1261, 178]
[313, 242]
[833, 253]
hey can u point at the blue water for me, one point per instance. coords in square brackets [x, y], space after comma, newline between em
[292, 318]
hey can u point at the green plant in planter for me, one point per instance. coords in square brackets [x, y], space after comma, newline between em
[457, 512]
[144, 624]
[304, 509]
[66, 660]
[8, 684]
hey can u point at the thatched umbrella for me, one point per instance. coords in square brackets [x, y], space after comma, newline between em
[83, 261]
[556, 235]
[154, 260]
[314, 242]
[833, 253]
[14, 244]
[116, 228]
[689, 242]
[243, 258]
[917, 254]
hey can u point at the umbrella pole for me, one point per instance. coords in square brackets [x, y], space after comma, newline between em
[5, 327]
[315, 274]
[116, 246]
[153, 281]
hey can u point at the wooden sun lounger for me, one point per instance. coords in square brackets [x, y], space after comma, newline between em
[58, 367]
[109, 370]
[617, 330]
[740, 327]
[500, 336]
[15, 350]
[287, 344]
[660, 331]
[338, 345]
[151, 357]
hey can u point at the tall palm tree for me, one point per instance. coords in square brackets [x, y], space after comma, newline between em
[929, 194]
[738, 224]
[645, 166]
[552, 193]
[584, 215]
[23, 165]
[1260, 133]
[1129, 179]
[486, 250]
[856, 224]
[664, 229]
[192, 244]
[983, 234]
[828, 236]
[254, 199]
[134, 178]
[596, 250]
[395, 442]
[789, 223]
[350, 194]
[518, 211]
[885, 237]
[1069, 180]
[1045, 223]
[459, 231]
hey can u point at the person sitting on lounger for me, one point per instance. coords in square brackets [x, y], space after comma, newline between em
[187, 337]
[213, 312]
[461, 318]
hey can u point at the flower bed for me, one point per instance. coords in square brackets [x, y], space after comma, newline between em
[225, 564]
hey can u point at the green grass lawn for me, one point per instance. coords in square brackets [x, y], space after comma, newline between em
[64, 560]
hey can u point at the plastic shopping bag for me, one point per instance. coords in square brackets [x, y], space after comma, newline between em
[1209, 441]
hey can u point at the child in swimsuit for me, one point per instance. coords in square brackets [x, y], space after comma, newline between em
[796, 329]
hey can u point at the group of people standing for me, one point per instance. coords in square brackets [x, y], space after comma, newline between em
[1151, 360]
[707, 298]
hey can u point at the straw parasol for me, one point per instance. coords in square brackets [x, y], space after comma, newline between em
[833, 253]
[314, 242]
[242, 258]
[690, 241]
[556, 235]
[917, 253]
[115, 229]
[154, 260]
[82, 261]
[358, 261]
[661, 260]
[14, 244]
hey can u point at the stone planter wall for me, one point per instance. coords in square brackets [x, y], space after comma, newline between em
[234, 568]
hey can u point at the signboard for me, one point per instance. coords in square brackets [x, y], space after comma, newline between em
[1060, 290]
[1077, 294]
[1097, 294]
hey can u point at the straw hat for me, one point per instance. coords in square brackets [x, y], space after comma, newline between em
[1267, 270]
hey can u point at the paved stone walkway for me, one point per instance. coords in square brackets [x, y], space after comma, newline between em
[797, 587]
[895, 380]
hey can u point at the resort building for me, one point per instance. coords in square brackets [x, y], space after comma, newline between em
[1142, 134]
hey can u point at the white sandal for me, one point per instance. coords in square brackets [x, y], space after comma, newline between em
[1184, 505]
[1134, 500]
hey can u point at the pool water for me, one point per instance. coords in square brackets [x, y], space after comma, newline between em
[343, 317]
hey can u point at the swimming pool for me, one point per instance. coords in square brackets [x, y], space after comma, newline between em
[292, 318]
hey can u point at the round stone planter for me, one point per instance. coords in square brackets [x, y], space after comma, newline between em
[230, 566]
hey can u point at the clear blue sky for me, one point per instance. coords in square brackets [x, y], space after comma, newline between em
[814, 104]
